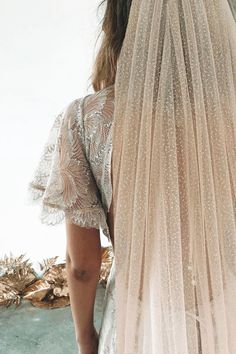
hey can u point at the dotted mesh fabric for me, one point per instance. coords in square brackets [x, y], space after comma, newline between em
[174, 184]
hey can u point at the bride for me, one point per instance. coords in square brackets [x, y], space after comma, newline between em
[72, 182]
[150, 159]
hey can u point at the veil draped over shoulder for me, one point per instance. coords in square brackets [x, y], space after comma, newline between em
[174, 179]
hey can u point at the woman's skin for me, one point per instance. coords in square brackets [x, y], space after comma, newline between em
[83, 264]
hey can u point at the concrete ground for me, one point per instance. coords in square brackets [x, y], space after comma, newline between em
[29, 330]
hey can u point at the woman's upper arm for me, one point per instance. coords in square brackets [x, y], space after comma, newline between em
[83, 246]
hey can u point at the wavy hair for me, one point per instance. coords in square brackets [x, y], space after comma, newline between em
[114, 24]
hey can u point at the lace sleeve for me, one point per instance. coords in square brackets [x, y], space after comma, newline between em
[63, 181]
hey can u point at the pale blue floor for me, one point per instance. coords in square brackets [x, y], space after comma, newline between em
[29, 330]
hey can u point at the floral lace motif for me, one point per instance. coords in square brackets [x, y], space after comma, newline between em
[72, 178]
[98, 114]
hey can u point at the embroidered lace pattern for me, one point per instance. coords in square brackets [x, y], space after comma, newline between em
[72, 178]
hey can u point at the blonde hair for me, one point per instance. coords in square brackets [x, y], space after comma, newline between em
[114, 26]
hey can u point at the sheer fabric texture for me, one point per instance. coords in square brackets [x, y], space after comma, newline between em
[73, 181]
[72, 178]
[174, 184]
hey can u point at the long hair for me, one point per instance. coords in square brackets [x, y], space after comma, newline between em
[114, 24]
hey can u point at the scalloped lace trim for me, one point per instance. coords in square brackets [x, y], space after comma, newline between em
[52, 214]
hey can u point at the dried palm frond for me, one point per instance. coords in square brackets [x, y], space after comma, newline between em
[107, 259]
[8, 296]
[47, 264]
[15, 274]
[45, 292]
[19, 280]
[37, 290]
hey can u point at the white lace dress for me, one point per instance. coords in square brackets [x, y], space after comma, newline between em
[73, 180]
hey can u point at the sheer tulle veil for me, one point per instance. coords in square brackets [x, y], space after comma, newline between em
[174, 179]
[232, 5]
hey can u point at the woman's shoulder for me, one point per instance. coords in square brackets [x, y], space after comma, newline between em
[88, 115]
[100, 103]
